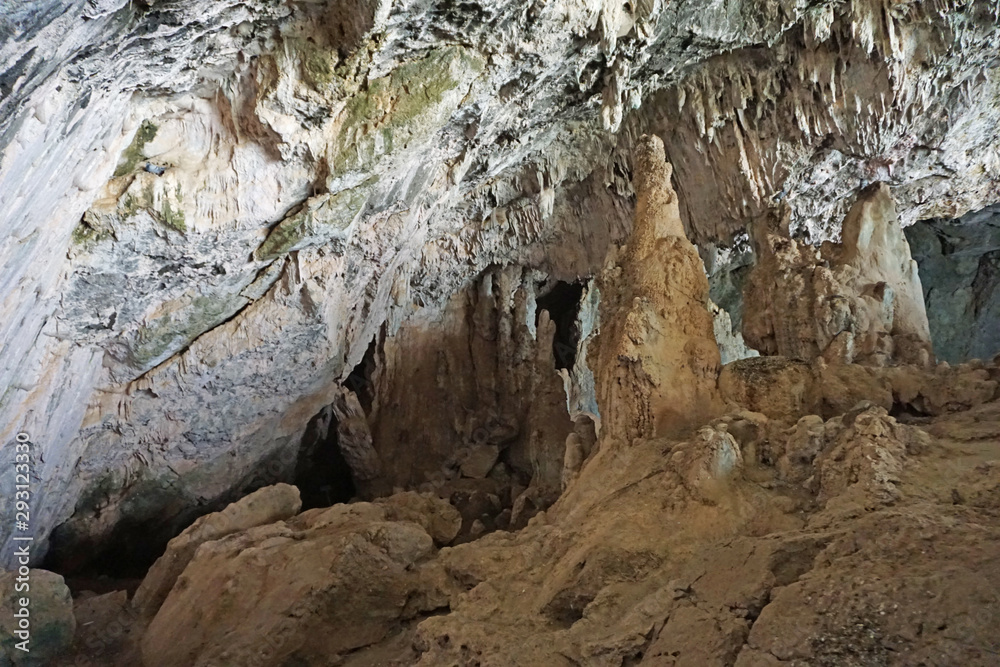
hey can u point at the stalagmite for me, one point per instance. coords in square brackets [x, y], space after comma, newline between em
[859, 300]
[656, 360]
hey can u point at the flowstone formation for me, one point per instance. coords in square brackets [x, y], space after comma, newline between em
[656, 360]
[857, 300]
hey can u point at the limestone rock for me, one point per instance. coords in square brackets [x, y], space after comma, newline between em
[865, 461]
[233, 199]
[657, 360]
[804, 443]
[858, 300]
[548, 422]
[354, 437]
[327, 582]
[579, 446]
[732, 347]
[267, 505]
[959, 265]
[438, 517]
[709, 462]
[942, 389]
[873, 246]
[642, 565]
[477, 461]
[50, 621]
[774, 386]
[786, 389]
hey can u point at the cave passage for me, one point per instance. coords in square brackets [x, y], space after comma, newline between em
[123, 557]
[562, 302]
[321, 472]
[359, 380]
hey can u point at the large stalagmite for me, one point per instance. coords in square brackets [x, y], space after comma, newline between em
[657, 360]
[858, 300]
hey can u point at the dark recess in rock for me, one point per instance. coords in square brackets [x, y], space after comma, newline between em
[359, 380]
[563, 304]
[321, 473]
[130, 549]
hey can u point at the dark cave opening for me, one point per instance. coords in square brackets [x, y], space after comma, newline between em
[562, 302]
[360, 378]
[321, 472]
[156, 512]
[121, 558]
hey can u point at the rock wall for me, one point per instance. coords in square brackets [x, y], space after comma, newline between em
[959, 264]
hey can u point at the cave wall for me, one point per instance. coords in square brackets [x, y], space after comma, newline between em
[211, 208]
[959, 262]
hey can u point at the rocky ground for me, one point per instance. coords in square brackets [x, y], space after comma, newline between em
[858, 538]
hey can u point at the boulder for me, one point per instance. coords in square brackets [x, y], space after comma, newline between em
[267, 505]
[438, 517]
[325, 583]
[50, 624]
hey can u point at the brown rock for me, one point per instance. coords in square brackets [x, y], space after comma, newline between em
[264, 506]
[438, 517]
[656, 361]
[859, 300]
[328, 582]
[477, 460]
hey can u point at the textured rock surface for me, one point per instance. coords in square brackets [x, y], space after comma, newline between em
[960, 270]
[328, 582]
[51, 624]
[219, 204]
[657, 359]
[860, 299]
[855, 539]
[591, 489]
[270, 504]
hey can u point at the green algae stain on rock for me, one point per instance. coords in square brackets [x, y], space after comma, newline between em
[171, 217]
[320, 220]
[85, 235]
[133, 155]
[137, 197]
[403, 109]
[166, 335]
[317, 64]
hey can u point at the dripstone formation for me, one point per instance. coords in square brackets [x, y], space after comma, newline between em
[857, 300]
[657, 361]
[514, 333]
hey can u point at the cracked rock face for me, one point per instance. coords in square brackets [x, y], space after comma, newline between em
[210, 209]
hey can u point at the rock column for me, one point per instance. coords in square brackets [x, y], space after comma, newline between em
[657, 361]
